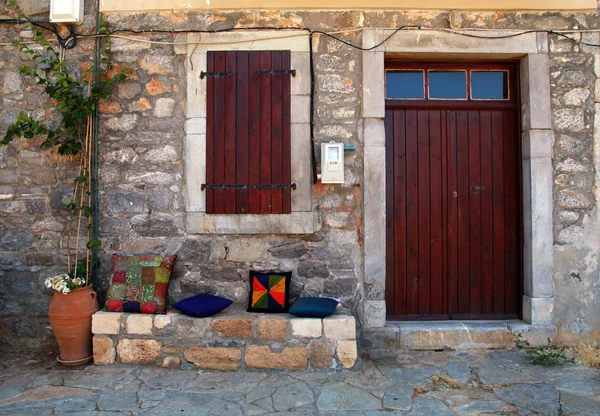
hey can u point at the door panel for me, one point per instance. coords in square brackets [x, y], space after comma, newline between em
[453, 223]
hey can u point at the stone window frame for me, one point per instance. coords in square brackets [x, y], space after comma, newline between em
[302, 219]
[536, 155]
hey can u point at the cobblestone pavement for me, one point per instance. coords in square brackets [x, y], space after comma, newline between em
[416, 383]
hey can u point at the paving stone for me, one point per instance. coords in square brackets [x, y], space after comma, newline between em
[530, 397]
[458, 370]
[414, 375]
[575, 404]
[219, 358]
[398, 397]
[342, 396]
[292, 396]
[492, 373]
[485, 406]
[425, 406]
[31, 411]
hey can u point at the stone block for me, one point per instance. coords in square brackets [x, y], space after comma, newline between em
[538, 311]
[374, 314]
[139, 351]
[374, 222]
[457, 335]
[537, 335]
[373, 85]
[339, 327]
[233, 327]
[536, 144]
[306, 327]
[294, 223]
[171, 349]
[192, 329]
[374, 132]
[196, 89]
[106, 323]
[385, 338]
[301, 171]
[162, 321]
[246, 249]
[171, 362]
[300, 112]
[195, 125]
[195, 151]
[164, 107]
[346, 353]
[537, 225]
[104, 350]
[220, 358]
[139, 324]
[290, 358]
[157, 64]
[300, 84]
[321, 354]
[535, 92]
[272, 329]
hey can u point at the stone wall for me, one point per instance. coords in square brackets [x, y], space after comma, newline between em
[142, 170]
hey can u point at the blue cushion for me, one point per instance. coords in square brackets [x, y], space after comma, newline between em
[313, 307]
[202, 305]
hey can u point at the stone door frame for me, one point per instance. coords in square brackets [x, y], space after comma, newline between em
[531, 50]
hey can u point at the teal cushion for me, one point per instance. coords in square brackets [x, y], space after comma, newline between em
[313, 307]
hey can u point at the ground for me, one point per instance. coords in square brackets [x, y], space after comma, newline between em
[489, 382]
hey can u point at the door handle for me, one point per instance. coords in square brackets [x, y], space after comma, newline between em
[477, 188]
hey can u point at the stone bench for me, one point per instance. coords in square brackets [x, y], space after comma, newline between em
[231, 340]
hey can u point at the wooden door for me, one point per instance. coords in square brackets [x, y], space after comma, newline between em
[453, 210]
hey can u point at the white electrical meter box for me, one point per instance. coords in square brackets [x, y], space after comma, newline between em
[332, 162]
[66, 11]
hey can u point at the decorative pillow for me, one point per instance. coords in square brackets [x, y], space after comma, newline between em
[139, 284]
[269, 291]
[313, 307]
[203, 305]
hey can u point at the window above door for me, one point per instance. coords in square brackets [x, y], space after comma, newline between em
[454, 82]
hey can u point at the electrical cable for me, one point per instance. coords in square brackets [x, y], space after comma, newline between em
[313, 156]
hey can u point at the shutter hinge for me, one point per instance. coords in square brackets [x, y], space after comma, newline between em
[276, 186]
[215, 74]
[276, 72]
[223, 185]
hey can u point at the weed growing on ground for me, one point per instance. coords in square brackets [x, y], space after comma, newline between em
[549, 355]
[588, 355]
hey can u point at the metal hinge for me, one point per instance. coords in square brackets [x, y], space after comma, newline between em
[223, 185]
[276, 186]
[276, 72]
[215, 74]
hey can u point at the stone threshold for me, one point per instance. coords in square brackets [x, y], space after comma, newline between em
[231, 340]
[456, 335]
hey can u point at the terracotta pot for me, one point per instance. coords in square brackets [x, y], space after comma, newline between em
[71, 320]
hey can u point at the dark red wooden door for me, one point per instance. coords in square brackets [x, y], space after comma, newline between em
[453, 212]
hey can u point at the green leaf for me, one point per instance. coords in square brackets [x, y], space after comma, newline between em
[93, 243]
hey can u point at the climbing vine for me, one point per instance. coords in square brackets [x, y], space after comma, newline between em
[76, 98]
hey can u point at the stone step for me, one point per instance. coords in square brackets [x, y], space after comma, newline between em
[230, 340]
[457, 335]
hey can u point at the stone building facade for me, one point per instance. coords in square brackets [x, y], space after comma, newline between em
[152, 155]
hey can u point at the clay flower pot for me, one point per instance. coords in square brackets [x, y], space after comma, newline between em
[71, 320]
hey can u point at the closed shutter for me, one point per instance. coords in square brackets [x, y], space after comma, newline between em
[248, 132]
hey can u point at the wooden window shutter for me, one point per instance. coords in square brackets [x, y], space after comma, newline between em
[248, 132]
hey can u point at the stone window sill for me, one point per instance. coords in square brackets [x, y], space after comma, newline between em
[294, 223]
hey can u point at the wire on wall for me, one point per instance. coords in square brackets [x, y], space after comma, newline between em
[70, 42]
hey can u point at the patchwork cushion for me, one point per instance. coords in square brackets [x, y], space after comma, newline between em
[269, 291]
[202, 305]
[311, 307]
[139, 284]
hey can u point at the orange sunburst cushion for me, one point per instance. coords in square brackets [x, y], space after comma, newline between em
[269, 291]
